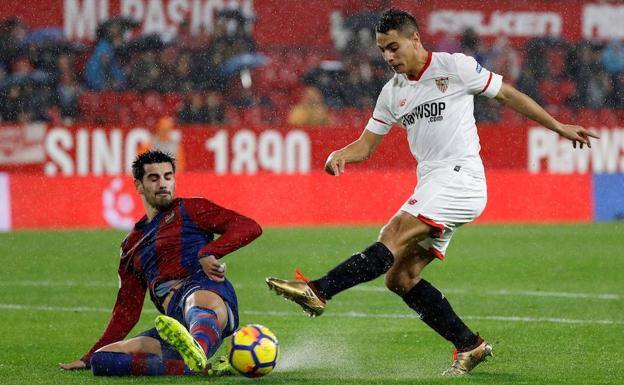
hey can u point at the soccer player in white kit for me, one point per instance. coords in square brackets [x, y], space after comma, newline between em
[431, 97]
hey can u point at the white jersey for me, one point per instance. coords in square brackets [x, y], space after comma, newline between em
[436, 108]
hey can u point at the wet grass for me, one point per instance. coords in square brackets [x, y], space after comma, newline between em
[550, 297]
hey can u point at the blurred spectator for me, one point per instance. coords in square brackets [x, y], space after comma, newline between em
[504, 60]
[26, 96]
[247, 98]
[328, 77]
[167, 139]
[471, 45]
[37, 100]
[359, 86]
[215, 108]
[528, 84]
[37, 70]
[448, 43]
[188, 40]
[145, 74]
[12, 104]
[353, 30]
[19, 103]
[310, 111]
[12, 33]
[536, 50]
[617, 97]
[197, 110]
[184, 78]
[167, 60]
[599, 90]
[583, 62]
[486, 110]
[67, 89]
[234, 27]
[193, 110]
[613, 57]
[242, 92]
[208, 65]
[103, 70]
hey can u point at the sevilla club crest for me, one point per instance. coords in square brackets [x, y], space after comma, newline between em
[442, 84]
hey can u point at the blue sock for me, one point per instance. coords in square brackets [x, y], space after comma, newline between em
[136, 364]
[204, 327]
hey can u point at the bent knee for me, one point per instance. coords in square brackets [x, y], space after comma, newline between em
[400, 282]
[392, 283]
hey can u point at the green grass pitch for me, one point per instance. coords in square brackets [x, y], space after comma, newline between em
[550, 298]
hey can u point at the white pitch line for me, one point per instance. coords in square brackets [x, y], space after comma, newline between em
[512, 293]
[111, 283]
[502, 292]
[351, 314]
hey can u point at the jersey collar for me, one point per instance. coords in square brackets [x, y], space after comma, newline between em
[422, 70]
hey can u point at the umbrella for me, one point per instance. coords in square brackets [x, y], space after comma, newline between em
[151, 42]
[36, 78]
[243, 61]
[124, 23]
[43, 35]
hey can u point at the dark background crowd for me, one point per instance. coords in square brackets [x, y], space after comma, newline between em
[223, 77]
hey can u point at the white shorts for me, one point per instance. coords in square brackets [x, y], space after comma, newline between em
[446, 198]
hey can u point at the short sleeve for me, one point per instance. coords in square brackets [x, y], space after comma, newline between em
[478, 80]
[382, 120]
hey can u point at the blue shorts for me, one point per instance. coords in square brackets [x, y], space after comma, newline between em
[175, 309]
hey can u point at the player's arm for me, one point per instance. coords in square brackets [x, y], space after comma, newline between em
[236, 231]
[125, 315]
[520, 102]
[355, 152]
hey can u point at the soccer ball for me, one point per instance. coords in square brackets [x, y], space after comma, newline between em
[254, 350]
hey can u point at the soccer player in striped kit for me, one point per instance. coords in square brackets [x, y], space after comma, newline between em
[172, 253]
[431, 96]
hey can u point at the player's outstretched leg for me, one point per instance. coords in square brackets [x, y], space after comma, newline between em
[175, 334]
[374, 261]
[300, 292]
[465, 361]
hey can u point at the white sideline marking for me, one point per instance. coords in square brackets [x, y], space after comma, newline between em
[351, 314]
[5, 203]
[502, 292]
[522, 293]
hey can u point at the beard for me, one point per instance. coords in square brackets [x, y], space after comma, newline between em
[160, 201]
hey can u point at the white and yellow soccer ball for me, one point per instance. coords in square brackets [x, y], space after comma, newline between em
[254, 351]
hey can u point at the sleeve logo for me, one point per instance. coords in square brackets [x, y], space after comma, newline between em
[479, 68]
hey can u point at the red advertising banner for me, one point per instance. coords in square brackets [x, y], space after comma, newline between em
[316, 24]
[99, 151]
[295, 200]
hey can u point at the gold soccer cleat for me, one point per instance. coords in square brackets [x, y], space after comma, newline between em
[299, 292]
[175, 334]
[464, 362]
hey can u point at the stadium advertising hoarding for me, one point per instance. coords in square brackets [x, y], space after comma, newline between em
[288, 200]
[274, 175]
[576, 20]
[109, 151]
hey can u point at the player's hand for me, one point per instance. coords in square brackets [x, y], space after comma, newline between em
[335, 164]
[577, 134]
[214, 269]
[78, 364]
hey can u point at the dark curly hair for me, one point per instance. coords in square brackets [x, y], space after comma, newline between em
[397, 19]
[149, 157]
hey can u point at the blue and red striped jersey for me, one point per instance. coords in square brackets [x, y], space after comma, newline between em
[169, 248]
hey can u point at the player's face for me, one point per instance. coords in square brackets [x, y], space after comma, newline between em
[158, 185]
[398, 50]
